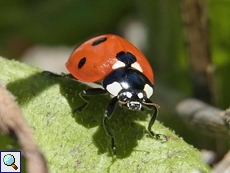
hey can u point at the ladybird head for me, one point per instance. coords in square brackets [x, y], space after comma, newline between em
[130, 86]
[132, 98]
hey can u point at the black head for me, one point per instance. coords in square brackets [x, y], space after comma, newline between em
[132, 98]
[130, 86]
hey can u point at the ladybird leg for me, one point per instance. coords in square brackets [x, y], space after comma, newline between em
[84, 96]
[50, 74]
[150, 105]
[63, 75]
[108, 114]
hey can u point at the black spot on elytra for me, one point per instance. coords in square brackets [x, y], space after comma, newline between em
[81, 62]
[98, 41]
[127, 58]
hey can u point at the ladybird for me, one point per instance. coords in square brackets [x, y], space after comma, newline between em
[124, 73]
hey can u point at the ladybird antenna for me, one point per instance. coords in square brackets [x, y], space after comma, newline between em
[122, 103]
[153, 104]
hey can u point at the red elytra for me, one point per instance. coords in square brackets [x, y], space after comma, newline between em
[97, 56]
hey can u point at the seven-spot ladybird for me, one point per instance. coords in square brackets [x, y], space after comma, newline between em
[125, 73]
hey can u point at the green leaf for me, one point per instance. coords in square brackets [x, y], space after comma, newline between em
[77, 142]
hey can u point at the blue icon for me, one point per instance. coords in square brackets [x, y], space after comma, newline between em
[9, 160]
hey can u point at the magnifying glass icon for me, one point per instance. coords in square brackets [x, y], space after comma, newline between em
[9, 160]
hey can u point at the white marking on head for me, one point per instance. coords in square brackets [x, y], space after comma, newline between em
[140, 95]
[133, 105]
[129, 94]
[118, 64]
[137, 66]
[125, 85]
[114, 88]
[148, 90]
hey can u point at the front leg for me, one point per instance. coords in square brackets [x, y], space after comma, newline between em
[150, 105]
[108, 114]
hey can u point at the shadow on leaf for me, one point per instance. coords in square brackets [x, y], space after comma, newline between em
[127, 131]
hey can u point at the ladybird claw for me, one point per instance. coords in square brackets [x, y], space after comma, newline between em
[157, 136]
[163, 140]
[50, 74]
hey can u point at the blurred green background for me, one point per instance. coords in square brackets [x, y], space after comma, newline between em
[25, 24]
